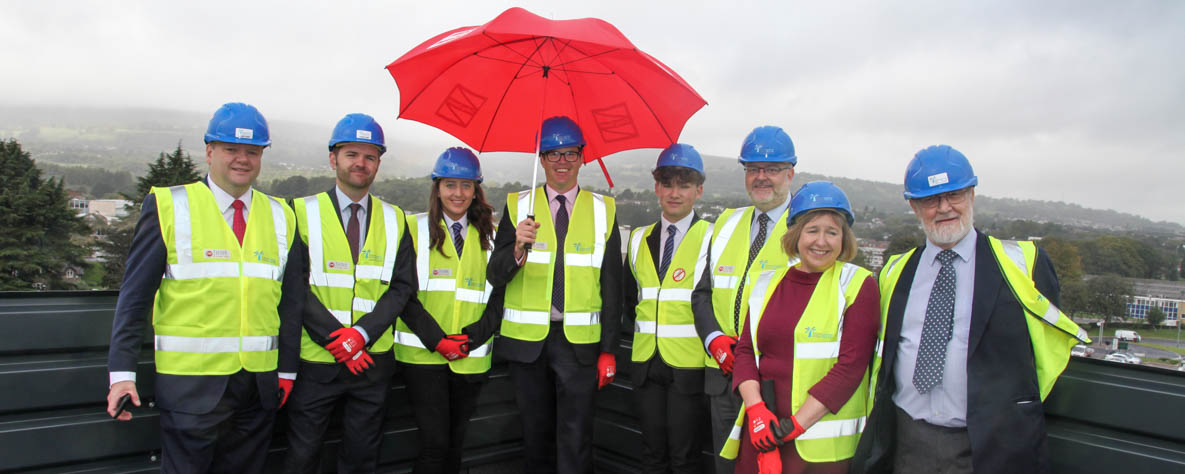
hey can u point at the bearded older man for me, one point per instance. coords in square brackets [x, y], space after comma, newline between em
[972, 339]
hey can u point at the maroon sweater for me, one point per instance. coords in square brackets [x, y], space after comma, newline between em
[776, 337]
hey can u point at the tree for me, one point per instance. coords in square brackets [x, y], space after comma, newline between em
[37, 244]
[169, 170]
[1066, 260]
[1155, 316]
[903, 242]
[1108, 296]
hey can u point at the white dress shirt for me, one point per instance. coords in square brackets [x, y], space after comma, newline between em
[343, 204]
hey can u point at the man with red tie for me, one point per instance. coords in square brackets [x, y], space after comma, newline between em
[208, 264]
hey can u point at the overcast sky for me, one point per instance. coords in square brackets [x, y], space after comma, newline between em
[1077, 101]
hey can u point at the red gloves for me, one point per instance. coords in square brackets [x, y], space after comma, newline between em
[769, 462]
[783, 431]
[454, 347]
[361, 361]
[721, 348]
[606, 369]
[349, 341]
[762, 424]
[286, 388]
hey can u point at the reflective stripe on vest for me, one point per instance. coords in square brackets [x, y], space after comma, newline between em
[203, 321]
[528, 295]
[664, 318]
[454, 291]
[349, 290]
[834, 436]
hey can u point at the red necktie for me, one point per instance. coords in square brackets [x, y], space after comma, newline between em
[239, 224]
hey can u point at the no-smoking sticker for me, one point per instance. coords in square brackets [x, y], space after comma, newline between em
[679, 274]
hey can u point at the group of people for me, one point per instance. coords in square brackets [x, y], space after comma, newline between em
[805, 362]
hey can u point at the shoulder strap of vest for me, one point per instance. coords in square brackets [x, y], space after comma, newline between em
[312, 217]
[701, 261]
[726, 231]
[393, 221]
[422, 250]
[280, 224]
[635, 244]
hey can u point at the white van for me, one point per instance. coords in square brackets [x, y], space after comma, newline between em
[1127, 335]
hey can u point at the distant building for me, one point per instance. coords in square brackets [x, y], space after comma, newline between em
[874, 252]
[110, 209]
[1169, 296]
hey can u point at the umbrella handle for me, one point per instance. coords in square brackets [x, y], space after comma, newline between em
[527, 247]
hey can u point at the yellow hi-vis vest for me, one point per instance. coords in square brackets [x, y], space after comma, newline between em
[215, 312]
[348, 290]
[527, 315]
[1051, 332]
[453, 292]
[816, 349]
[730, 253]
[664, 317]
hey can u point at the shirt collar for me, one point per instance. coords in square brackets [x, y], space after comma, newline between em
[965, 249]
[224, 199]
[682, 224]
[343, 201]
[570, 195]
[448, 222]
[774, 213]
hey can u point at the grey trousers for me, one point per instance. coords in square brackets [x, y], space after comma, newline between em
[926, 448]
[724, 406]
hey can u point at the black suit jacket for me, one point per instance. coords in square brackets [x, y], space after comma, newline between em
[196, 394]
[503, 267]
[1005, 417]
[685, 381]
[399, 297]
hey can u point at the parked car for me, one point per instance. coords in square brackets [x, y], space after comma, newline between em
[1122, 357]
[1127, 335]
[1078, 351]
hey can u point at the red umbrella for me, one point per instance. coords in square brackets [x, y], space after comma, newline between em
[492, 85]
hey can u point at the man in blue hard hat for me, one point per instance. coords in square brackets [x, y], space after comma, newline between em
[743, 239]
[563, 302]
[208, 264]
[665, 263]
[359, 265]
[973, 339]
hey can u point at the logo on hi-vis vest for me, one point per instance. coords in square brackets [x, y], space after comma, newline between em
[336, 265]
[726, 269]
[260, 258]
[370, 255]
[811, 332]
[763, 262]
[442, 272]
[576, 247]
[679, 274]
[474, 283]
[218, 253]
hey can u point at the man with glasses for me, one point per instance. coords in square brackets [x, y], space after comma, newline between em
[561, 264]
[973, 340]
[742, 239]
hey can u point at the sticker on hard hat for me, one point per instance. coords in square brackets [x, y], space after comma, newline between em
[362, 134]
[245, 133]
[937, 179]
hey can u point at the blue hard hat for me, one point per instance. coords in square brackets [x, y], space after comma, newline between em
[358, 128]
[936, 170]
[820, 195]
[768, 143]
[559, 132]
[679, 154]
[457, 162]
[236, 122]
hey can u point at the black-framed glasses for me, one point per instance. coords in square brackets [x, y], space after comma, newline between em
[953, 197]
[569, 156]
[768, 170]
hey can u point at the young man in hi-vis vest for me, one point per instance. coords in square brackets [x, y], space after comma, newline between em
[359, 266]
[563, 302]
[667, 281]
[973, 339]
[208, 264]
[743, 239]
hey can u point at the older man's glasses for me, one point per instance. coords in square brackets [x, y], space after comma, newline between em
[953, 197]
[768, 170]
[569, 156]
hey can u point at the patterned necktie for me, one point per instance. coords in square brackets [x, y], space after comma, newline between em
[353, 229]
[458, 242]
[561, 231]
[754, 249]
[937, 327]
[667, 250]
[238, 223]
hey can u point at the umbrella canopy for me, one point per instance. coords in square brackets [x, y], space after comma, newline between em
[492, 85]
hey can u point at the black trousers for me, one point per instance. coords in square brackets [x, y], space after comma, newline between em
[309, 409]
[442, 403]
[671, 415]
[923, 447]
[232, 438]
[555, 396]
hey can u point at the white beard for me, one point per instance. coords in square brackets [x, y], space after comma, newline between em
[951, 234]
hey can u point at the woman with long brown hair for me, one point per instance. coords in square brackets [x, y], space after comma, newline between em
[444, 376]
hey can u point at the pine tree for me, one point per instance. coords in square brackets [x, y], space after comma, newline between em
[37, 226]
[169, 169]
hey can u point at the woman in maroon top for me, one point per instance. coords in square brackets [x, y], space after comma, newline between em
[820, 235]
